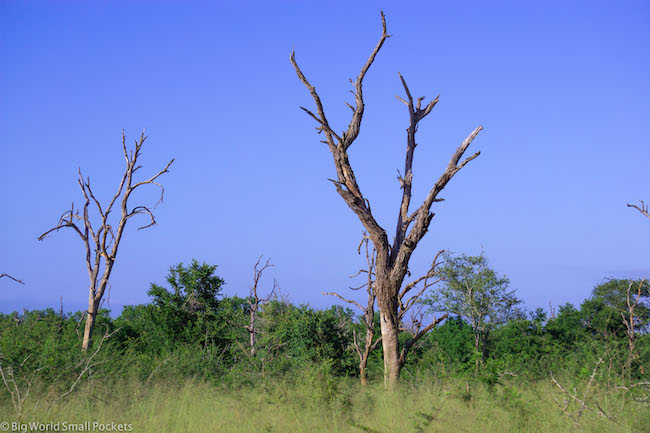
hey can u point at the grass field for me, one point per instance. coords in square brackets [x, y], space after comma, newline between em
[313, 404]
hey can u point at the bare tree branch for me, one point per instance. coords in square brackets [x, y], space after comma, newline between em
[643, 208]
[416, 114]
[347, 185]
[344, 300]
[355, 124]
[418, 334]
[431, 273]
[65, 221]
[10, 277]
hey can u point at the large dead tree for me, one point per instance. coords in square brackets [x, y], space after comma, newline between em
[392, 260]
[101, 242]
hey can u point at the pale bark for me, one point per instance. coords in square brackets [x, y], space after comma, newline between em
[390, 344]
[255, 301]
[391, 260]
[101, 245]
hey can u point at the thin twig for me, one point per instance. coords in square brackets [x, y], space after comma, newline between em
[9, 276]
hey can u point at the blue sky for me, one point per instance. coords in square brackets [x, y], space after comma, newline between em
[561, 88]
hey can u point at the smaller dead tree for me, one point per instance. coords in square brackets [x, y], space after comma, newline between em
[368, 311]
[10, 277]
[18, 385]
[102, 240]
[631, 320]
[255, 301]
[417, 329]
[86, 366]
[643, 208]
[575, 414]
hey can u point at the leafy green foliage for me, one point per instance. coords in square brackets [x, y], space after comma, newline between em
[474, 291]
[450, 347]
[619, 294]
[189, 330]
[302, 334]
[188, 312]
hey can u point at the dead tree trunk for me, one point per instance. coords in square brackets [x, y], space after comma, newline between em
[391, 260]
[255, 301]
[101, 244]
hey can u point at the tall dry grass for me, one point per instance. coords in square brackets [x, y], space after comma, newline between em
[311, 403]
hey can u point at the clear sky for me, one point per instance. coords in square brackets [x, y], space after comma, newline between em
[562, 89]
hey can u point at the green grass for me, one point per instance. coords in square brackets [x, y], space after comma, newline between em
[318, 404]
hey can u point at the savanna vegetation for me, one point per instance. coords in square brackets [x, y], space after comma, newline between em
[183, 362]
[453, 349]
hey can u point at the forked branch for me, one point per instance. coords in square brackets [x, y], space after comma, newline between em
[429, 279]
[643, 208]
[402, 250]
[418, 333]
[346, 183]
